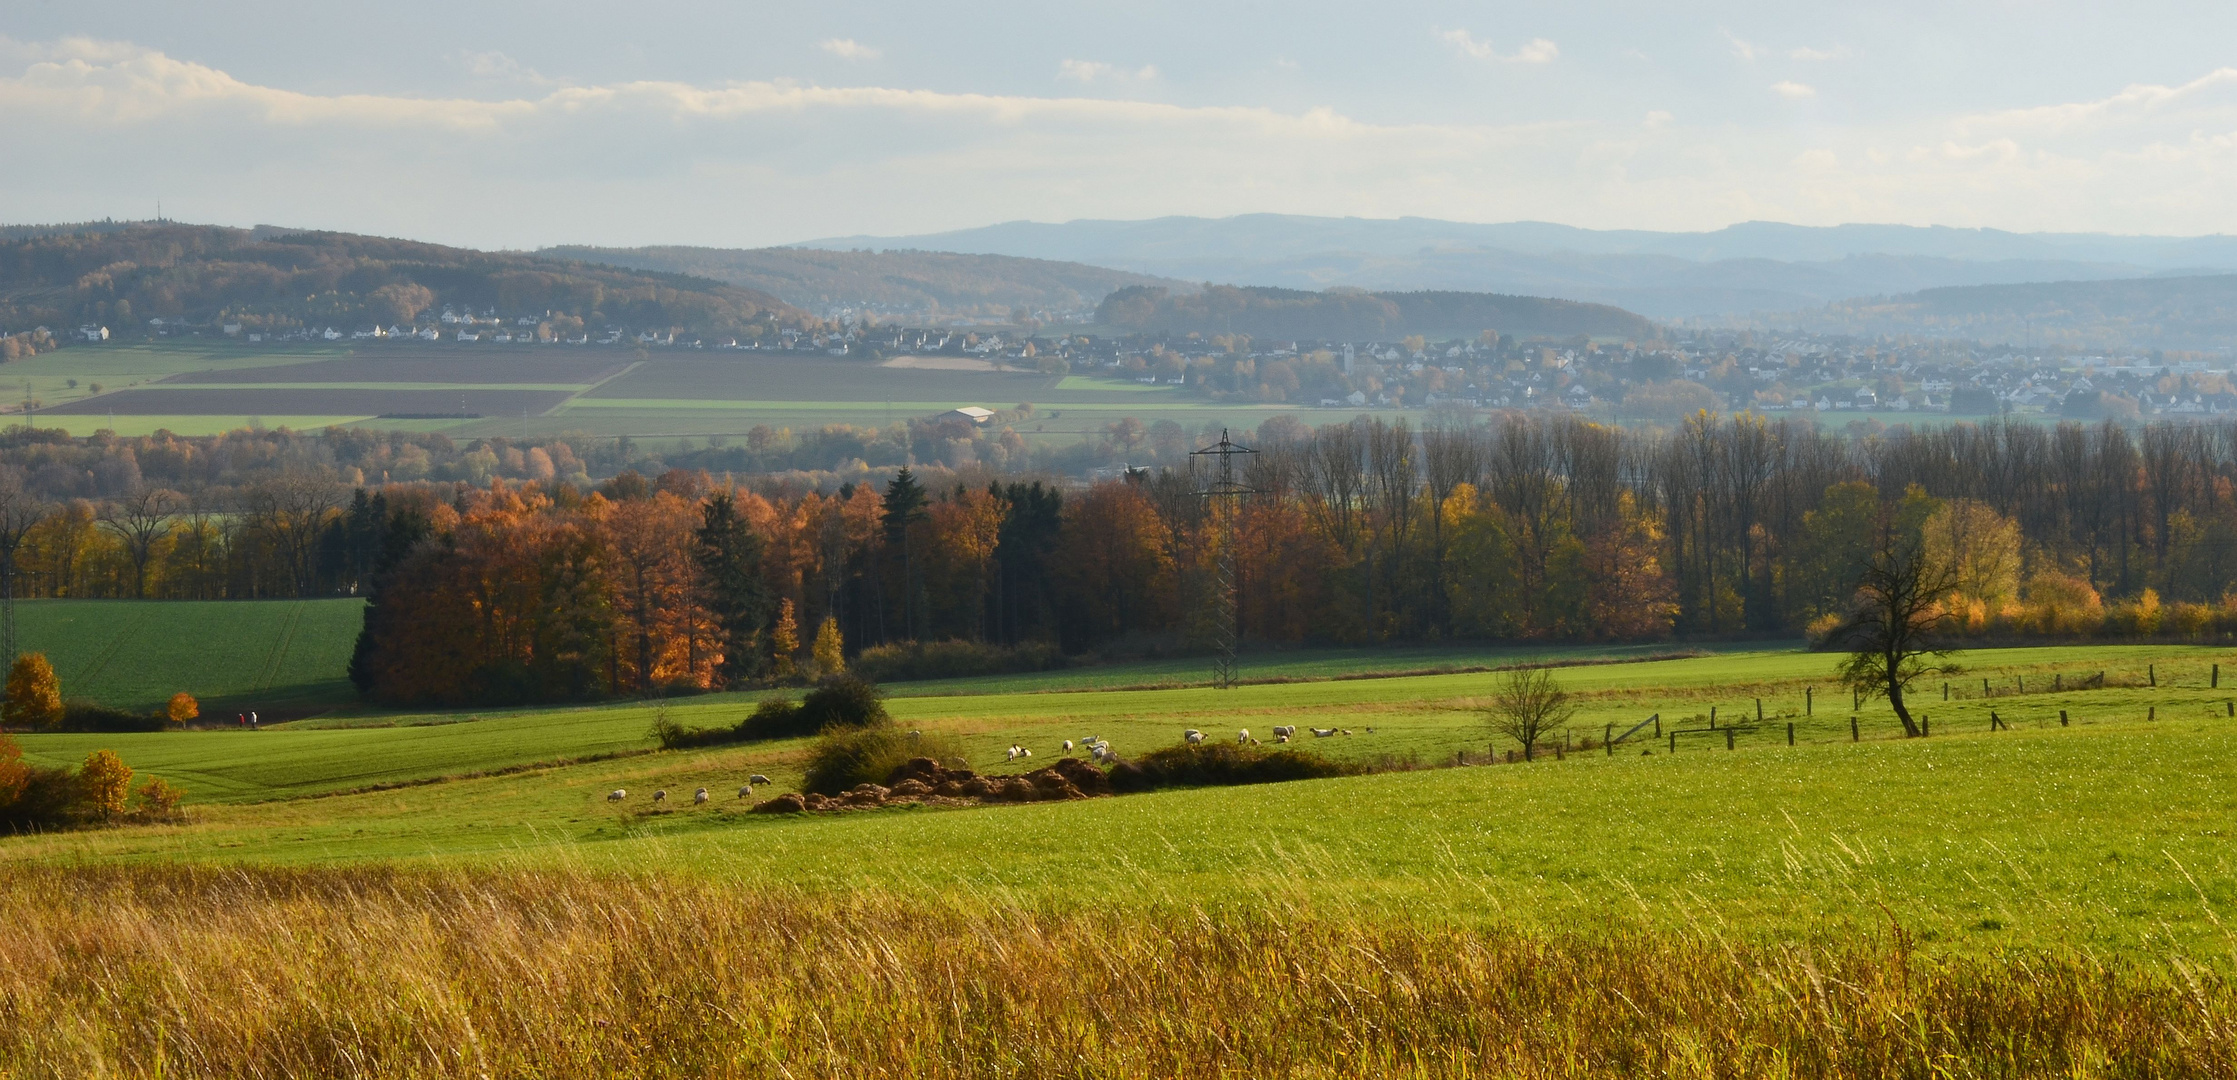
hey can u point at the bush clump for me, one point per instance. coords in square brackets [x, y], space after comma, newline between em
[1224, 764]
[843, 757]
[842, 701]
[955, 660]
[92, 716]
[39, 797]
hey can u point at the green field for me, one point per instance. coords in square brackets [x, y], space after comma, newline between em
[275, 656]
[2089, 834]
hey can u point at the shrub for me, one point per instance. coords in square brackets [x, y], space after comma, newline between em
[674, 736]
[954, 660]
[843, 757]
[843, 701]
[34, 697]
[94, 717]
[775, 718]
[1223, 764]
[157, 800]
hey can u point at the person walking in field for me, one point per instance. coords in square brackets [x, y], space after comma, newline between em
[252, 720]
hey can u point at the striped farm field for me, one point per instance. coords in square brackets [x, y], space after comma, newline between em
[282, 655]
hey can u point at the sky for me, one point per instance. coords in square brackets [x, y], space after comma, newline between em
[745, 124]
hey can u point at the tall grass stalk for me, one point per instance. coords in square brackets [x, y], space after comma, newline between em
[395, 973]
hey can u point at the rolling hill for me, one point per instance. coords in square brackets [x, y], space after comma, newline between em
[275, 278]
[1354, 315]
[928, 284]
[2190, 312]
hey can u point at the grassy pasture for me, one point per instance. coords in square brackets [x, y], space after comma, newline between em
[2044, 835]
[246, 654]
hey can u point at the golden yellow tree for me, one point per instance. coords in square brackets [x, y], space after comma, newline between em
[34, 695]
[107, 782]
[784, 641]
[830, 650]
[182, 707]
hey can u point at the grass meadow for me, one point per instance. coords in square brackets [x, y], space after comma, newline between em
[277, 656]
[377, 894]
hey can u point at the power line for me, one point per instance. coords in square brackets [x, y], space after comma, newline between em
[1223, 498]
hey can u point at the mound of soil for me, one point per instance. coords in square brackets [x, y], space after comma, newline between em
[927, 782]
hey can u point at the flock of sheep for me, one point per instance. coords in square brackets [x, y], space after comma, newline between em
[745, 791]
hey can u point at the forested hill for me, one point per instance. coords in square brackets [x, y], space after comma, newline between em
[1354, 315]
[2193, 312]
[276, 279]
[927, 283]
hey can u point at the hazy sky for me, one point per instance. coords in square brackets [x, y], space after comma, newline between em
[697, 121]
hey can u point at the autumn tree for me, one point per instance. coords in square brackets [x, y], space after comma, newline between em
[141, 519]
[784, 641]
[107, 783]
[181, 708]
[830, 651]
[729, 556]
[34, 695]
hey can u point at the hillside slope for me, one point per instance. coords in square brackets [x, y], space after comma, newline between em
[2197, 312]
[276, 279]
[1352, 315]
[920, 283]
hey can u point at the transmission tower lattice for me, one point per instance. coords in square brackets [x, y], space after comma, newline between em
[1223, 498]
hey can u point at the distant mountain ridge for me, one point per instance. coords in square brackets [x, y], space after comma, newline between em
[929, 283]
[1736, 271]
[1354, 315]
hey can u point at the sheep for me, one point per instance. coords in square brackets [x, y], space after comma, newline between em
[699, 796]
[1017, 752]
[1323, 732]
[617, 795]
[1193, 736]
[746, 792]
[1285, 732]
[916, 734]
[1023, 752]
[1244, 736]
[757, 778]
[1347, 731]
[1067, 745]
[660, 796]
[1279, 739]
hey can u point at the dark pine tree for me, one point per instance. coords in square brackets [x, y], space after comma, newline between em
[730, 555]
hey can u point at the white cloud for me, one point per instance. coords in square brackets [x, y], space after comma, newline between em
[1535, 51]
[1090, 71]
[655, 161]
[1793, 91]
[850, 49]
[1742, 49]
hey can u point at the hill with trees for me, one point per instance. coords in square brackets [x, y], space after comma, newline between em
[1356, 315]
[928, 283]
[275, 279]
[2190, 312]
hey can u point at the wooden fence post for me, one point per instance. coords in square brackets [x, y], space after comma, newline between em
[1984, 686]
[1712, 718]
[1608, 739]
[1658, 725]
[1853, 733]
[1790, 733]
[1945, 690]
[2058, 681]
[2022, 681]
[2151, 671]
[2216, 684]
[1926, 725]
[1759, 710]
[2062, 718]
[1673, 740]
[1809, 705]
[2153, 713]
[1728, 738]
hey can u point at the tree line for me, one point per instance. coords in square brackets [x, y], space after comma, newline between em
[1527, 529]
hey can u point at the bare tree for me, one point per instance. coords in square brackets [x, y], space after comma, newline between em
[291, 510]
[1892, 634]
[141, 518]
[1527, 706]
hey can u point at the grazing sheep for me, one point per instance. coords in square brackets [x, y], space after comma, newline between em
[1347, 731]
[1278, 739]
[1323, 732]
[1244, 736]
[757, 778]
[1023, 752]
[1067, 744]
[746, 792]
[1285, 731]
[617, 795]
[916, 734]
[1193, 736]
[699, 796]
[660, 796]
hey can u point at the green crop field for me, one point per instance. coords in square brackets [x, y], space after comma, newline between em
[275, 656]
[2087, 833]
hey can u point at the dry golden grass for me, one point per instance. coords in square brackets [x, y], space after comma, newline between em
[382, 972]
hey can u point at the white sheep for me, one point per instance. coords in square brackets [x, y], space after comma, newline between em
[1193, 736]
[746, 792]
[1323, 732]
[1285, 731]
[757, 778]
[1068, 744]
[699, 796]
[1281, 739]
[617, 795]
[660, 796]
[1243, 737]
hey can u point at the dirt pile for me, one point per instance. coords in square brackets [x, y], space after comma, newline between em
[925, 781]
